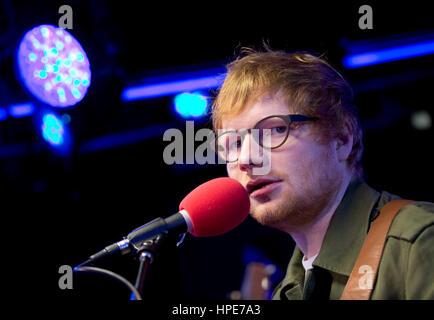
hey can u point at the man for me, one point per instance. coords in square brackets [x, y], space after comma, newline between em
[314, 189]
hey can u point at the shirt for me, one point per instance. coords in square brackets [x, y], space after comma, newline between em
[406, 267]
[307, 263]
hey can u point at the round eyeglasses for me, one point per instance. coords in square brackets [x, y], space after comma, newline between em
[270, 133]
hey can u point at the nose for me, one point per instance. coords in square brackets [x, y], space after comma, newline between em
[251, 154]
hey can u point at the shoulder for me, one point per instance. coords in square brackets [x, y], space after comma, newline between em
[405, 271]
[412, 220]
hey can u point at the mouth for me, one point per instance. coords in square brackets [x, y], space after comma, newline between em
[260, 187]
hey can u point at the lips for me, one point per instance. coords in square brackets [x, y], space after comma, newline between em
[261, 186]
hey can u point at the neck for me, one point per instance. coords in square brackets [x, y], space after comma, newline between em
[309, 238]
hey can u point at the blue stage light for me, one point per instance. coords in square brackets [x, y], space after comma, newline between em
[55, 132]
[372, 57]
[21, 109]
[167, 85]
[53, 66]
[3, 113]
[191, 105]
[52, 129]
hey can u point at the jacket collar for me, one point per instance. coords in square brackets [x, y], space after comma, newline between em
[292, 284]
[347, 229]
[343, 240]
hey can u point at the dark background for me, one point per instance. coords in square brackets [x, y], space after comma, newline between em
[59, 210]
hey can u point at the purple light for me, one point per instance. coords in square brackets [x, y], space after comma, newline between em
[172, 84]
[163, 89]
[53, 66]
[21, 110]
[377, 56]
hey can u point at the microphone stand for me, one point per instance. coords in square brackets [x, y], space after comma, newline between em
[146, 252]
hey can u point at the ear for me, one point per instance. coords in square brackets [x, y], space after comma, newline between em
[344, 143]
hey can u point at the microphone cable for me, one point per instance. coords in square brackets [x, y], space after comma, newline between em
[112, 275]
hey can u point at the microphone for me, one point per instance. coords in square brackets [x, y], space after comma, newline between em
[213, 208]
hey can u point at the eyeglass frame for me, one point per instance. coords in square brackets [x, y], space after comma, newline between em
[289, 118]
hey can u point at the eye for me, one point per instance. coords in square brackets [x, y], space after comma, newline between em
[220, 148]
[278, 130]
[235, 145]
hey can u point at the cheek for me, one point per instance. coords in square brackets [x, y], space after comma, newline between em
[231, 170]
[318, 165]
[301, 164]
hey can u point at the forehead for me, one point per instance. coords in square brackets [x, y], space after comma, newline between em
[256, 110]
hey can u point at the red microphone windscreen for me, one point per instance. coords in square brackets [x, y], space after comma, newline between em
[216, 206]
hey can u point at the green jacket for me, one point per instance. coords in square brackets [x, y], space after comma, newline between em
[406, 270]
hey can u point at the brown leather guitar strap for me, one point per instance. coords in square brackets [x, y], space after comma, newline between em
[363, 276]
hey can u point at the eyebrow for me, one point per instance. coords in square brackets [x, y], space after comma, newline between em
[221, 131]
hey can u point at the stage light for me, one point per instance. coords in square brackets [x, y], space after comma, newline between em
[3, 114]
[421, 120]
[53, 66]
[191, 105]
[52, 129]
[166, 85]
[21, 109]
[55, 132]
[383, 55]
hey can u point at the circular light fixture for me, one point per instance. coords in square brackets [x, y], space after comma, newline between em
[53, 66]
